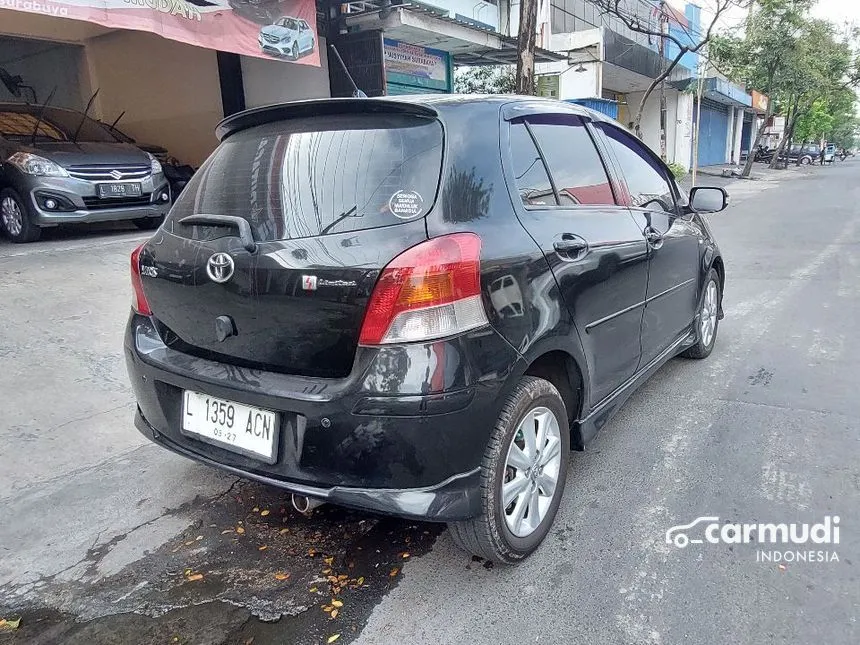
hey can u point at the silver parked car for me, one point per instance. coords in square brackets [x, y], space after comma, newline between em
[59, 166]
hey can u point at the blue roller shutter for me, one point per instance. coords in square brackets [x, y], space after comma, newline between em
[713, 132]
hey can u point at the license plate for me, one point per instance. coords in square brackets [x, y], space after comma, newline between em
[119, 190]
[234, 426]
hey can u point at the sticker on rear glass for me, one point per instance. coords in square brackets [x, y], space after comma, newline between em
[406, 204]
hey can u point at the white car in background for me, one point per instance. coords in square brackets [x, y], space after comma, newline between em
[291, 37]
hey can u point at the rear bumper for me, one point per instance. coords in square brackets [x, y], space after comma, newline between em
[456, 498]
[403, 434]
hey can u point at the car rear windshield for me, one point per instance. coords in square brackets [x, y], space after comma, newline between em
[317, 176]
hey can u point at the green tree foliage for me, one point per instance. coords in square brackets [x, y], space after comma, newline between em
[485, 79]
[803, 64]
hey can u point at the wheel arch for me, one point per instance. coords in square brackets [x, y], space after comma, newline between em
[720, 268]
[562, 370]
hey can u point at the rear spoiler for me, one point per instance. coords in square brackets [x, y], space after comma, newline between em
[318, 107]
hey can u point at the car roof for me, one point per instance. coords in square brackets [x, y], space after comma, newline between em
[420, 104]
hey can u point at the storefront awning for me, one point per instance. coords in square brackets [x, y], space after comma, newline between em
[719, 90]
[469, 44]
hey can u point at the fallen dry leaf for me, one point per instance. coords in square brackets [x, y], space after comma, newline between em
[10, 624]
[194, 577]
[282, 576]
[327, 608]
[312, 552]
[198, 538]
[337, 603]
[240, 530]
[263, 548]
[360, 580]
[394, 572]
[332, 638]
[256, 509]
[333, 613]
[189, 543]
[326, 572]
[313, 589]
[264, 513]
[404, 555]
[329, 560]
[282, 531]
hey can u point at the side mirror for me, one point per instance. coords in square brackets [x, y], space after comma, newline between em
[708, 199]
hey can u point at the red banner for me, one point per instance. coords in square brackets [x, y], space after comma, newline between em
[277, 29]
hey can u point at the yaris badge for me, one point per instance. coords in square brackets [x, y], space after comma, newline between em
[220, 267]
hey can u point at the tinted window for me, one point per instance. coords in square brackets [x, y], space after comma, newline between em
[642, 172]
[55, 125]
[573, 161]
[529, 172]
[316, 176]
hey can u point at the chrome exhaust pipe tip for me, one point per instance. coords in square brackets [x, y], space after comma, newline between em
[304, 504]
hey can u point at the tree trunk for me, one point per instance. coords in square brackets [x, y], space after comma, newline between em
[776, 155]
[758, 136]
[638, 119]
[526, 47]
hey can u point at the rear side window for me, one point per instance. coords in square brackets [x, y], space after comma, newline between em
[533, 183]
[573, 160]
[318, 176]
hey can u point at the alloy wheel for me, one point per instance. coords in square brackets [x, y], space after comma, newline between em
[532, 469]
[708, 318]
[13, 218]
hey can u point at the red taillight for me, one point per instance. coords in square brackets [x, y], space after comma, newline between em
[429, 291]
[139, 303]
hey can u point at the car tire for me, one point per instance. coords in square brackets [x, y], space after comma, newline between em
[16, 220]
[707, 319]
[295, 51]
[805, 161]
[148, 223]
[490, 534]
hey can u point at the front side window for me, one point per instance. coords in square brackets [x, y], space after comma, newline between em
[643, 173]
[573, 161]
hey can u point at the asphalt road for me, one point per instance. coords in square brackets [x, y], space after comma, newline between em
[102, 535]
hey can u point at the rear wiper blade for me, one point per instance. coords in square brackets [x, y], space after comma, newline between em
[230, 221]
[337, 220]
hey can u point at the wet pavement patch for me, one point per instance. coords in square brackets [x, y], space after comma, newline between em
[249, 569]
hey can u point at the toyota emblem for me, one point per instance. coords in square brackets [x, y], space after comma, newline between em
[220, 267]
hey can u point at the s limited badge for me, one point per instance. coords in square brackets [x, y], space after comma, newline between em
[309, 282]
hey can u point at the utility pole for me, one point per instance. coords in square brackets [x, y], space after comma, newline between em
[700, 87]
[664, 25]
[526, 47]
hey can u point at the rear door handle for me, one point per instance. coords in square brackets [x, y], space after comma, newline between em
[570, 246]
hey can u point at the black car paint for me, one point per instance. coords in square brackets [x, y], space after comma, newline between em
[404, 429]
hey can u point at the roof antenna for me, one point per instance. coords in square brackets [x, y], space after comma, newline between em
[356, 93]
[84, 117]
[42, 115]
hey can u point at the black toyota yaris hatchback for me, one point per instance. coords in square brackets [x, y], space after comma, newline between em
[418, 306]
